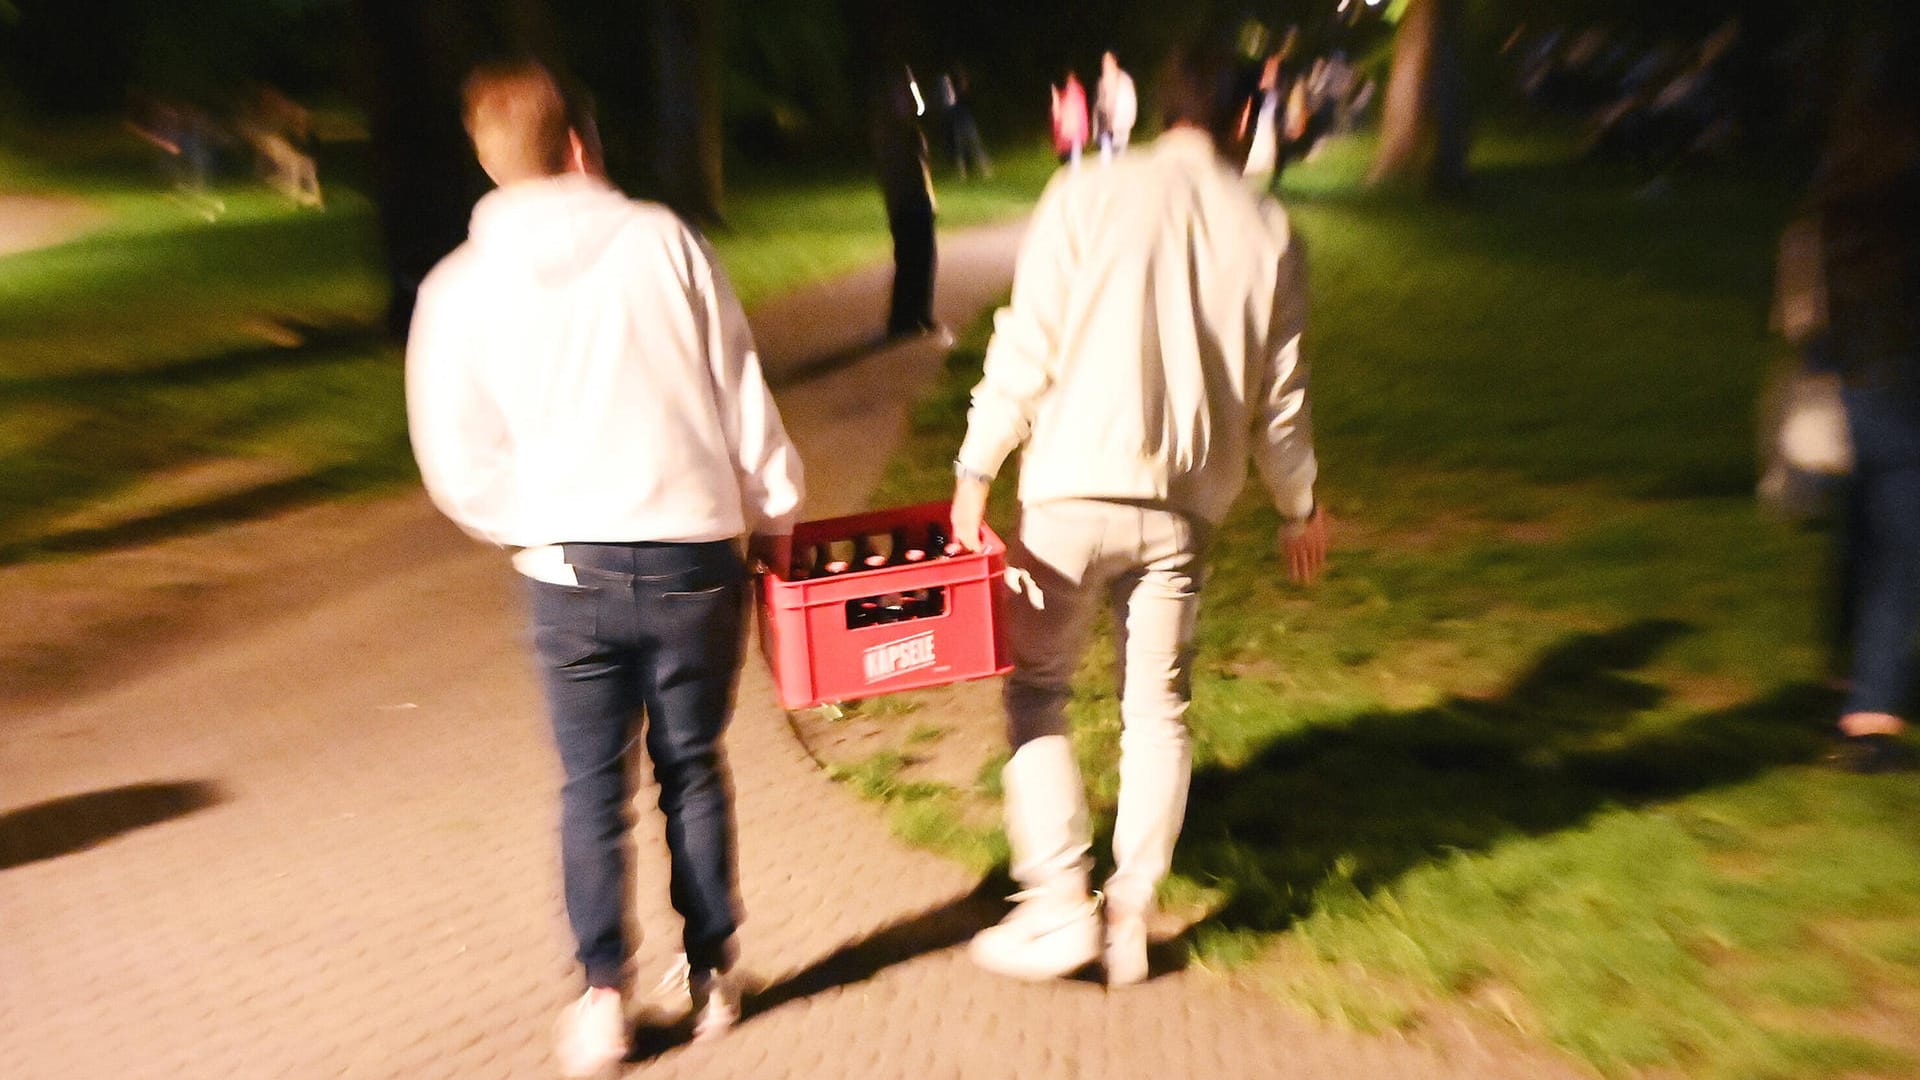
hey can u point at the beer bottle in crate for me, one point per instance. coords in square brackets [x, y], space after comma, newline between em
[826, 562]
[904, 551]
[898, 606]
[865, 555]
[866, 611]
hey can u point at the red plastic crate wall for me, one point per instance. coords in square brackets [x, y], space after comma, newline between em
[900, 626]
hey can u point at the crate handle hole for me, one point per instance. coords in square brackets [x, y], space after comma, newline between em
[892, 608]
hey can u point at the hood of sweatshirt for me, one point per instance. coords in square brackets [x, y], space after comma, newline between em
[558, 227]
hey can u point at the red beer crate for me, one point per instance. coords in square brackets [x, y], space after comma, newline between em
[899, 626]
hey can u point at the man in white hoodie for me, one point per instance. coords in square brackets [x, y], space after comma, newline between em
[582, 387]
[1151, 348]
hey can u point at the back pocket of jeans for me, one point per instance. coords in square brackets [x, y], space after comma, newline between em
[566, 623]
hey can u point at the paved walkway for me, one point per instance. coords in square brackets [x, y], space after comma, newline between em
[28, 222]
[319, 841]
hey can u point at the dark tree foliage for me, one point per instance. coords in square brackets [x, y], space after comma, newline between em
[414, 53]
[683, 86]
[65, 58]
[688, 128]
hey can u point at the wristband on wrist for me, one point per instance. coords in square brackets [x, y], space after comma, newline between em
[1296, 526]
[962, 472]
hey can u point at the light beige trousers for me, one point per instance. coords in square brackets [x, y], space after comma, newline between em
[1145, 563]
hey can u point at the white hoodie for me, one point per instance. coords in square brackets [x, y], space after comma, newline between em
[580, 370]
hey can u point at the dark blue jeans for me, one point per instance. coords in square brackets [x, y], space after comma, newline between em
[1881, 553]
[652, 628]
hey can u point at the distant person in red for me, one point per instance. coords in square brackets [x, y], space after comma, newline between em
[1069, 119]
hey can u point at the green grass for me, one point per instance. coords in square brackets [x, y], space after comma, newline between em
[1540, 744]
[163, 371]
[928, 814]
[159, 345]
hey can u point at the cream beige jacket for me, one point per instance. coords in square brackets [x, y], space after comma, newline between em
[1152, 345]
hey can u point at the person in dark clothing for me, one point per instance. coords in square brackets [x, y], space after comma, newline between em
[1866, 203]
[900, 153]
[963, 132]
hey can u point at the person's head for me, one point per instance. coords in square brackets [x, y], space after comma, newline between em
[518, 121]
[1210, 90]
[1109, 63]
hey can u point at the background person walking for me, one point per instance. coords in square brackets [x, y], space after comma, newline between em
[1069, 119]
[1115, 106]
[964, 145]
[1866, 213]
[906, 186]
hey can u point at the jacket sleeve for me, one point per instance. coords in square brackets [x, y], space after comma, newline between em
[1023, 356]
[1283, 445]
[459, 436]
[768, 468]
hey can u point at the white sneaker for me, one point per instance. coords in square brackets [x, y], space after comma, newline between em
[1045, 937]
[1126, 957]
[712, 998]
[669, 996]
[716, 1002]
[591, 1035]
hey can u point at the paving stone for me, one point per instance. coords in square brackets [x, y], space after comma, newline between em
[372, 891]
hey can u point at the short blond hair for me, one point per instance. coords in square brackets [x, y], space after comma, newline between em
[517, 119]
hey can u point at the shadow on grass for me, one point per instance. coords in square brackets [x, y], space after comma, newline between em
[77, 822]
[1378, 797]
[316, 342]
[135, 426]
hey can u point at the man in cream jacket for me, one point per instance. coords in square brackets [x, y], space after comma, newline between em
[582, 386]
[1152, 347]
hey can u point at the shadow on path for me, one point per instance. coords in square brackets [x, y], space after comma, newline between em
[932, 930]
[77, 822]
[1369, 801]
[846, 356]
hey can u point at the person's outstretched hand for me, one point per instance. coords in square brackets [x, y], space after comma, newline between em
[1304, 546]
[969, 511]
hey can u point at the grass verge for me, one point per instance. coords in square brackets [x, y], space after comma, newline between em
[163, 371]
[1541, 744]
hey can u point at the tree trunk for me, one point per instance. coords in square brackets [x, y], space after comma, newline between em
[414, 54]
[1424, 133]
[689, 134]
